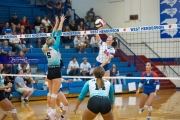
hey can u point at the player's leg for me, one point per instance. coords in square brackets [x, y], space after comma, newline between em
[88, 115]
[151, 99]
[142, 102]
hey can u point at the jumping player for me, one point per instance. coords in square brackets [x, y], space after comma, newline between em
[4, 102]
[51, 50]
[101, 97]
[151, 86]
[106, 52]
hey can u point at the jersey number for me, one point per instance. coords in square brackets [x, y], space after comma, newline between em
[106, 52]
[48, 54]
[98, 88]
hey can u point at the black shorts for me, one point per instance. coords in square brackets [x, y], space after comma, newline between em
[99, 104]
[54, 72]
[2, 95]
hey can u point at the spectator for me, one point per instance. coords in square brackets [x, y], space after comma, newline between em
[73, 26]
[41, 40]
[85, 67]
[23, 40]
[50, 10]
[9, 53]
[85, 39]
[21, 53]
[59, 8]
[6, 30]
[94, 45]
[21, 87]
[16, 43]
[73, 68]
[5, 48]
[66, 39]
[79, 44]
[90, 17]
[8, 92]
[27, 71]
[68, 10]
[47, 24]
[25, 23]
[14, 23]
[10, 69]
[37, 24]
[92, 70]
[81, 26]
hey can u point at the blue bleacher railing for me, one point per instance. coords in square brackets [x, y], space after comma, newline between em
[129, 55]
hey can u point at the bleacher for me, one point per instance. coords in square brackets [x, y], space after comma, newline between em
[71, 88]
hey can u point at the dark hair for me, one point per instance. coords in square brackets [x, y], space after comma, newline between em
[114, 44]
[99, 73]
[74, 57]
[150, 64]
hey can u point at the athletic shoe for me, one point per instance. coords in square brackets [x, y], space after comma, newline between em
[51, 116]
[74, 80]
[148, 118]
[142, 109]
[26, 100]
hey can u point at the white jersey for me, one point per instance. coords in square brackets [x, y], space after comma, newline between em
[104, 52]
[53, 57]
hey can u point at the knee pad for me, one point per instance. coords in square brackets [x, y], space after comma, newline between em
[54, 95]
[6, 112]
[14, 111]
[49, 94]
[150, 108]
[65, 108]
[61, 105]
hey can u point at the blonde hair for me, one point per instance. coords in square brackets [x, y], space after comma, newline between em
[49, 42]
[99, 73]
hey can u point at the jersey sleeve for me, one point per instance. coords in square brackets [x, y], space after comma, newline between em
[112, 52]
[143, 74]
[57, 42]
[111, 94]
[156, 81]
[84, 92]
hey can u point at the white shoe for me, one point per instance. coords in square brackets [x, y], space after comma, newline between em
[74, 80]
[142, 109]
[79, 79]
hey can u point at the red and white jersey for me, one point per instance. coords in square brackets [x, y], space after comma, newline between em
[104, 52]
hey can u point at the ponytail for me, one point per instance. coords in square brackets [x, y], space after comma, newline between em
[114, 44]
[45, 48]
[100, 83]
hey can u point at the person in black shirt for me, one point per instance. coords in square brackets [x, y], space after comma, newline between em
[38, 24]
[73, 26]
[50, 10]
[59, 8]
[14, 23]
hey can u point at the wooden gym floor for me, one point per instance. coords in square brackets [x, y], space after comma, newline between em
[166, 107]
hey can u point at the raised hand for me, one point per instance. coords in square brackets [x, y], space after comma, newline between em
[62, 18]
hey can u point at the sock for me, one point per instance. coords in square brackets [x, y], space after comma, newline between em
[53, 111]
[148, 116]
[26, 98]
[49, 109]
[22, 98]
[62, 116]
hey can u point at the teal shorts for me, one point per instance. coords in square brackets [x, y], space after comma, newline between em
[21, 90]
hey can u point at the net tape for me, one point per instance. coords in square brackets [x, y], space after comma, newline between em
[91, 77]
[91, 32]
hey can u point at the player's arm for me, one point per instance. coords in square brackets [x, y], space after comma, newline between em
[111, 95]
[157, 82]
[110, 56]
[141, 83]
[83, 94]
[56, 24]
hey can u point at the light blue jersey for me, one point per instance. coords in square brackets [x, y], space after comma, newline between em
[1, 80]
[53, 55]
[91, 87]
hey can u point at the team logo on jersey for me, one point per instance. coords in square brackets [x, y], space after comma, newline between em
[106, 52]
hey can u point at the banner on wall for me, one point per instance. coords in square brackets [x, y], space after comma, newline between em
[170, 14]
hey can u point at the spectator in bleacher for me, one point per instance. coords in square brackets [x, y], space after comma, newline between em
[59, 8]
[50, 10]
[14, 23]
[79, 44]
[85, 39]
[6, 29]
[25, 23]
[8, 92]
[81, 26]
[26, 71]
[92, 70]
[21, 53]
[41, 40]
[68, 10]
[90, 17]
[9, 53]
[5, 48]
[73, 26]
[10, 69]
[85, 67]
[37, 24]
[47, 24]
[73, 68]
[66, 39]
[16, 43]
[94, 45]
[113, 73]
[21, 87]
[23, 40]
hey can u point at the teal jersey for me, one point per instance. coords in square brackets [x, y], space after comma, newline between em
[53, 54]
[91, 87]
[1, 80]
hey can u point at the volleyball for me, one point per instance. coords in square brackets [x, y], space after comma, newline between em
[99, 23]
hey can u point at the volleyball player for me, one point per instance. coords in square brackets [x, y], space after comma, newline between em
[106, 52]
[51, 50]
[4, 102]
[151, 86]
[61, 100]
[101, 97]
